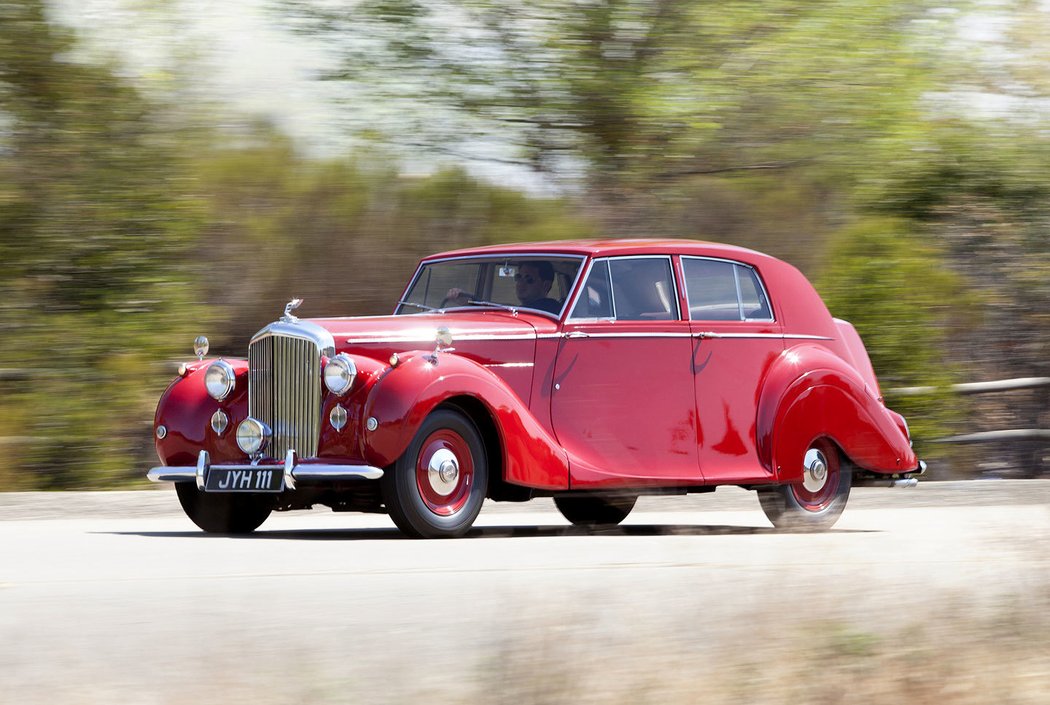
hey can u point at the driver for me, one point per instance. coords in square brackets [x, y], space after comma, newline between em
[532, 283]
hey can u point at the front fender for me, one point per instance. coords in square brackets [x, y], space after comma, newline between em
[185, 410]
[812, 393]
[403, 398]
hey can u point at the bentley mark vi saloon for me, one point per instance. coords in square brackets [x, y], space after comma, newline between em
[590, 372]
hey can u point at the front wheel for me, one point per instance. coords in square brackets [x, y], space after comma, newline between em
[815, 502]
[223, 513]
[594, 510]
[437, 486]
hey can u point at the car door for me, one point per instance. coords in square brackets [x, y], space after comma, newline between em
[622, 403]
[736, 340]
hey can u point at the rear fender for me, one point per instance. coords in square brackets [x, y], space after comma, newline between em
[403, 398]
[812, 393]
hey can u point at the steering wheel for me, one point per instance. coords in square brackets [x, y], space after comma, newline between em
[462, 295]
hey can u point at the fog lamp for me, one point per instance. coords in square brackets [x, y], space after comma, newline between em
[252, 436]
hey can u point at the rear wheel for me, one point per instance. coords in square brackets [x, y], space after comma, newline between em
[815, 502]
[595, 511]
[223, 513]
[436, 488]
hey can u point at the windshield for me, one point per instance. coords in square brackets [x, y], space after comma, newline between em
[536, 282]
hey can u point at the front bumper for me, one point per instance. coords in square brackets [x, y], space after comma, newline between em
[294, 471]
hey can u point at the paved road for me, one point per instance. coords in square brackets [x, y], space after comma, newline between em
[108, 597]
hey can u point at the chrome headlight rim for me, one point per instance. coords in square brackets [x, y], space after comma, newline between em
[252, 436]
[220, 380]
[340, 374]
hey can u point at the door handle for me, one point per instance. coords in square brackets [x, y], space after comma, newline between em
[706, 334]
[577, 334]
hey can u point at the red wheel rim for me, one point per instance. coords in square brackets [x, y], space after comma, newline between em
[820, 477]
[444, 472]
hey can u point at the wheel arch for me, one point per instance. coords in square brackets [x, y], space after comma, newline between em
[483, 418]
[812, 393]
[525, 453]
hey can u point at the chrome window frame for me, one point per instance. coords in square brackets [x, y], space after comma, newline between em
[609, 258]
[506, 255]
[739, 296]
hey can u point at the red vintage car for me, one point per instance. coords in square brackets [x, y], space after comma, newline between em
[590, 372]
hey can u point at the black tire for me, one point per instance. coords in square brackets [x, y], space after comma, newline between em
[422, 498]
[223, 513]
[811, 504]
[590, 510]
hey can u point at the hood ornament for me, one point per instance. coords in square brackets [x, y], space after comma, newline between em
[288, 308]
[442, 343]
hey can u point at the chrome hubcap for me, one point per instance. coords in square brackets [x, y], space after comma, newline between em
[443, 471]
[815, 470]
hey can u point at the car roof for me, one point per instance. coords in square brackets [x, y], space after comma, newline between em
[611, 247]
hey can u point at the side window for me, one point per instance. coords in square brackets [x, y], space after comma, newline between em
[643, 289]
[752, 296]
[595, 299]
[723, 291]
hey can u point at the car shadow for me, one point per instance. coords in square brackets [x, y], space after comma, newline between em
[489, 532]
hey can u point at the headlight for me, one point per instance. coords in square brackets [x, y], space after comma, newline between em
[219, 380]
[339, 374]
[252, 436]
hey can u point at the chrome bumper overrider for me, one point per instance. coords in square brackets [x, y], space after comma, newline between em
[293, 471]
[910, 479]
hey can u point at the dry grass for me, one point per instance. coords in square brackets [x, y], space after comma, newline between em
[960, 654]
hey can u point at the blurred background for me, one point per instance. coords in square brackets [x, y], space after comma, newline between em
[176, 167]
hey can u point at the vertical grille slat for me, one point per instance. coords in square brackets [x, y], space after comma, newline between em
[284, 392]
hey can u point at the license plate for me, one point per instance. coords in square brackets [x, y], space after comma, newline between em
[261, 479]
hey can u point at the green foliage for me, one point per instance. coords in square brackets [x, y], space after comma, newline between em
[93, 236]
[887, 280]
[621, 91]
[802, 129]
[343, 234]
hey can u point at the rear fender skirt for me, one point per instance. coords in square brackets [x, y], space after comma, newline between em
[403, 398]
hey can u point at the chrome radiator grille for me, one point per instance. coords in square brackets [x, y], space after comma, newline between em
[284, 392]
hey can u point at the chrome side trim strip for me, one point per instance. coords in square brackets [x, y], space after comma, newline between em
[572, 334]
[429, 341]
[778, 336]
[702, 334]
[511, 364]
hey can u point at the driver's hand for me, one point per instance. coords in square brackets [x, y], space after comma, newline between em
[457, 295]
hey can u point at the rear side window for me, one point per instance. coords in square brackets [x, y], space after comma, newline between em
[718, 290]
[629, 289]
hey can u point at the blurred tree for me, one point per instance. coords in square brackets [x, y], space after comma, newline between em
[94, 229]
[343, 234]
[884, 277]
[618, 91]
[981, 196]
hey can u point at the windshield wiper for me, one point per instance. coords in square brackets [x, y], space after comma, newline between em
[422, 306]
[493, 304]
